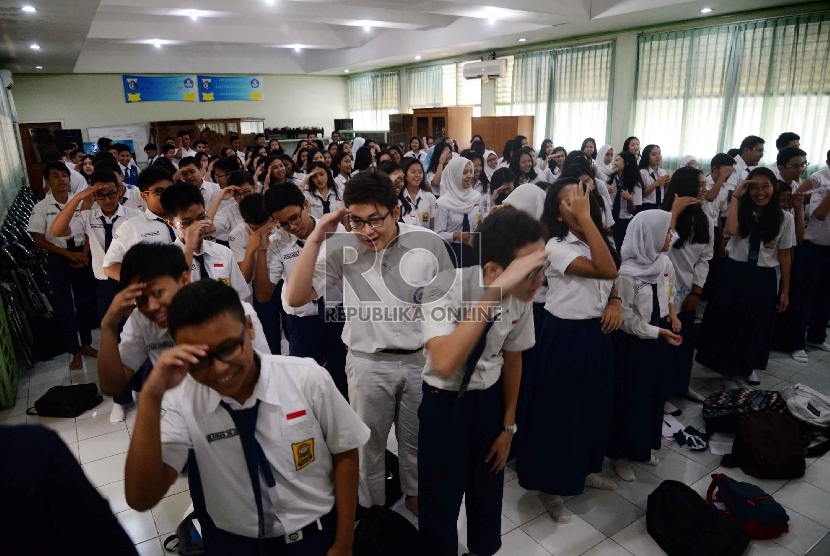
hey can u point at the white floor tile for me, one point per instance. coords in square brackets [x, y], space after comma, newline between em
[766, 548]
[604, 510]
[40, 387]
[780, 368]
[768, 382]
[607, 548]
[105, 471]
[50, 422]
[169, 512]
[73, 447]
[820, 367]
[518, 542]
[506, 526]
[132, 413]
[179, 486]
[820, 383]
[520, 505]
[818, 475]
[19, 408]
[97, 426]
[138, 525]
[803, 534]
[509, 474]
[151, 547]
[636, 540]
[675, 467]
[637, 492]
[67, 432]
[809, 501]
[104, 446]
[11, 421]
[103, 408]
[703, 457]
[114, 493]
[568, 539]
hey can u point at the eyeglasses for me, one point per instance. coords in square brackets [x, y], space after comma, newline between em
[219, 176]
[797, 166]
[187, 223]
[244, 193]
[157, 191]
[101, 196]
[758, 149]
[293, 221]
[225, 354]
[373, 222]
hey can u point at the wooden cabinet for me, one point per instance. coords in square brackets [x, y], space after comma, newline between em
[215, 131]
[454, 122]
[400, 130]
[497, 130]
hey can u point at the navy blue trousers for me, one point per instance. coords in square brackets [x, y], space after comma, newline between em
[810, 296]
[454, 437]
[314, 337]
[73, 295]
[223, 543]
[269, 317]
[680, 359]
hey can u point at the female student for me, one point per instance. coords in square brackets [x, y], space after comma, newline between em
[521, 164]
[342, 167]
[559, 154]
[627, 184]
[567, 396]
[458, 211]
[654, 178]
[632, 145]
[690, 256]
[274, 147]
[688, 160]
[545, 154]
[363, 159]
[436, 165]
[202, 162]
[503, 184]
[602, 165]
[645, 285]
[415, 199]
[736, 332]
[416, 150]
[481, 182]
[491, 163]
[589, 147]
[506, 154]
[321, 191]
[85, 167]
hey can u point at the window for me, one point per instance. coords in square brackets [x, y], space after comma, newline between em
[425, 87]
[458, 91]
[372, 98]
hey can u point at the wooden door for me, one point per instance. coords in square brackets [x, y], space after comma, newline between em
[37, 139]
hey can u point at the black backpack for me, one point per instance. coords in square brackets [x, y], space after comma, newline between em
[393, 479]
[66, 401]
[383, 532]
[188, 540]
[683, 524]
[768, 446]
[723, 410]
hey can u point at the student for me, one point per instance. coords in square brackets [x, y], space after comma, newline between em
[751, 153]
[545, 154]
[385, 357]
[168, 158]
[689, 161]
[240, 185]
[436, 165]
[185, 212]
[308, 330]
[471, 382]
[67, 265]
[129, 198]
[151, 150]
[580, 172]
[602, 166]
[503, 183]
[716, 209]
[589, 147]
[129, 169]
[189, 172]
[77, 182]
[654, 178]
[645, 285]
[627, 183]
[568, 392]
[85, 167]
[415, 199]
[481, 183]
[632, 145]
[335, 138]
[395, 173]
[183, 149]
[416, 150]
[259, 139]
[690, 256]
[458, 212]
[791, 164]
[235, 144]
[491, 163]
[200, 146]
[559, 155]
[152, 228]
[321, 190]
[363, 159]
[223, 168]
[521, 164]
[736, 331]
[342, 166]
[787, 140]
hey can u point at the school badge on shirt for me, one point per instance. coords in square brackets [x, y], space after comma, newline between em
[303, 453]
[424, 217]
[226, 281]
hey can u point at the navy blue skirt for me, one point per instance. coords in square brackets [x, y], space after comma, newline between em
[679, 360]
[639, 386]
[566, 406]
[735, 335]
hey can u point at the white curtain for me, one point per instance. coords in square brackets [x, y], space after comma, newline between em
[701, 91]
[425, 87]
[372, 98]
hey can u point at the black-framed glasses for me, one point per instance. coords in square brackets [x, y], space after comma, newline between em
[239, 194]
[801, 166]
[101, 196]
[358, 224]
[225, 354]
[292, 221]
[158, 191]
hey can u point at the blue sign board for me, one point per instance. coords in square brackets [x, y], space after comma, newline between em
[237, 87]
[140, 88]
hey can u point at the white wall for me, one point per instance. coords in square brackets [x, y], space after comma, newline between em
[81, 101]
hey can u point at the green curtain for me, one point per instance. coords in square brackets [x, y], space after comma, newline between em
[372, 98]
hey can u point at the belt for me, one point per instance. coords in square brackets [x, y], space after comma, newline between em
[401, 351]
[310, 529]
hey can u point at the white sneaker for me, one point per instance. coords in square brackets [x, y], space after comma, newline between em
[694, 396]
[555, 507]
[118, 413]
[623, 470]
[823, 347]
[800, 356]
[753, 379]
[654, 461]
[671, 409]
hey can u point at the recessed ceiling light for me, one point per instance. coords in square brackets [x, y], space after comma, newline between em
[297, 48]
[193, 15]
[157, 43]
[269, 1]
[34, 46]
[30, 9]
[418, 57]
[345, 71]
[38, 67]
[367, 28]
[522, 40]
[706, 10]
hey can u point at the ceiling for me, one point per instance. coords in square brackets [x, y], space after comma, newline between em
[306, 36]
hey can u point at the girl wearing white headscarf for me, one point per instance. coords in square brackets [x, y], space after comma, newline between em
[602, 165]
[688, 160]
[458, 211]
[645, 286]
[491, 163]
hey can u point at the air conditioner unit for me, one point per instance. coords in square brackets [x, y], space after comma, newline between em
[488, 68]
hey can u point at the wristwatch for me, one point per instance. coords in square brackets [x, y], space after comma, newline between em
[512, 429]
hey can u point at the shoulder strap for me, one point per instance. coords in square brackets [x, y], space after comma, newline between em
[173, 548]
[818, 450]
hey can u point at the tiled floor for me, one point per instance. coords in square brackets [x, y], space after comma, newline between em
[605, 523]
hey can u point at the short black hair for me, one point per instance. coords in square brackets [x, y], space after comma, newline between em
[52, 155]
[751, 142]
[722, 159]
[182, 133]
[784, 187]
[179, 197]
[785, 139]
[503, 233]
[200, 141]
[150, 147]
[166, 147]
[121, 147]
[151, 176]
[75, 152]
[108, 163]
[55, 165]
[284, 195]
[241, 177]
[201, 302]
[371, 187]
[104, 143]
[188, 161]
[252, 210]
[227, 164]
[101, 175]
[390, 166]
[787, 154]
[147, 261]
[258, 135]
[233, 138]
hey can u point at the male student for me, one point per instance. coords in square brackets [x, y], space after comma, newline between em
[477, 322]
[152, 274]
[129, 169]
[717, 195]
[130, 198]
[275, 444]
[381, 268]
[200, 146]
[307, 332]
[791, 163]
[189, 172]
[168, 152]
[67, 265]
[77, 182]
[151, 150]
[185, 211]
[151, 228]
[223, 168]
[260, 139]
[183, 149]
[235, 145]
[224, 210]
[787, 140]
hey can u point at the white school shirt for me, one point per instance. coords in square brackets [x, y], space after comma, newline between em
[302, 421]
[512, 331]
[77, 181]
[132, 199]
[422, 208]
[185, 153]
[341, 181]
[44, 214]
[221, 266]
[388, 283]
[715, 209]
[818, 231]
[648, 180]
[435, 189]
[89, 222]
[738, 247]
[573, 297]
[238, 243]
[420, 155]
[638, 200]
[143, 338]
[283, 252]
[241, 156]
[638, 301]
[448, 222]
[735, 178]
[794, 184]
[138, 230]
[226, 220]
[824, 170]
[691, 266]
[209, 190]
[315, 203]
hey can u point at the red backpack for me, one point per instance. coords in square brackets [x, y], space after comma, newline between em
[749, 507]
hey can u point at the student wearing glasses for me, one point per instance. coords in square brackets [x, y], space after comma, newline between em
[751, 153]
[240, 184]
[382, 281]
[787, 140]
[791, 163]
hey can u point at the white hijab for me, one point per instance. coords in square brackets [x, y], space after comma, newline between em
[686, 159]
[454, 196]
[528, 197]
[600, 164]
[487, 170]
[356, 144]
[642, 255]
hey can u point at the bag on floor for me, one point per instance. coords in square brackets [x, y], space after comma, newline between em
[768, 446]
[383, 532]
[749, 507]
[66, 401]
[808, 406]
[188, 540]
[683, 524]
[393, 479]
[723, 410]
